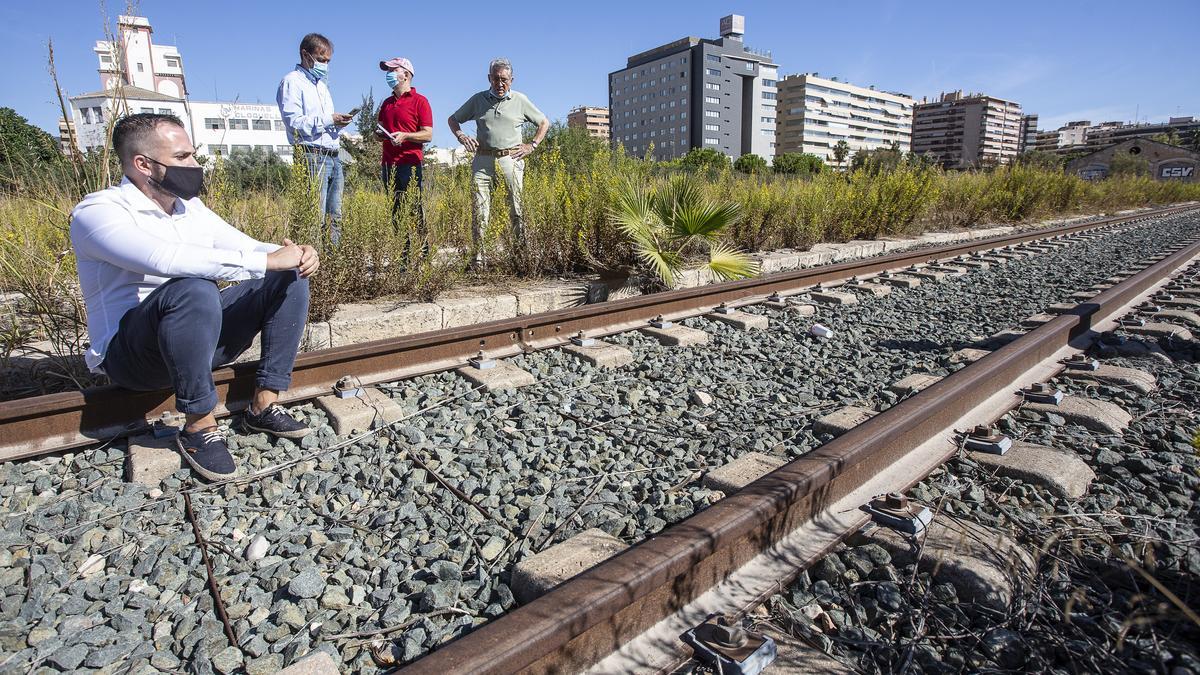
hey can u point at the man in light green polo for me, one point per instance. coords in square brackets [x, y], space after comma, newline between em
[498, 113]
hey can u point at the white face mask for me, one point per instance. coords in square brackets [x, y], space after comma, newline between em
[319, 70]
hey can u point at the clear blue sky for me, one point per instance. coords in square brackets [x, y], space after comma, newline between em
[1098, 60]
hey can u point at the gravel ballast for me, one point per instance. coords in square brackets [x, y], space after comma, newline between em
[104, 574]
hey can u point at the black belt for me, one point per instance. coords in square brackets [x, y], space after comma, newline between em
[320, 151]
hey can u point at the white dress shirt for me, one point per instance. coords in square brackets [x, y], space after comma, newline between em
[126, 246]
[307, 110]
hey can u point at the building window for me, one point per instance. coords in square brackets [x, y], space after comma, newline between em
[262, 125]
[214, 123]
[710, 141]
[769, 83]
[164, 111]
[712, 99]
[715, 72]
[217, 150]
[713, 57]
[97, 114]
[683, 129]
[239, 124]
[279, 124]
[241, 148]
[265, 149]
[749, 66]
[87, 115]
[712, 85]
[172, 61]
[146, 110]
[105, 58]
[283, 149]
[770, 95]
[711, 113]
[712, 127]
[767, 120]
[141, 68]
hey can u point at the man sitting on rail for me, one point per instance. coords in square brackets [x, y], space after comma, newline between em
[149, 255]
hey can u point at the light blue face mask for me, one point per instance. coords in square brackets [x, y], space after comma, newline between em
[392, 79]
[319, 70]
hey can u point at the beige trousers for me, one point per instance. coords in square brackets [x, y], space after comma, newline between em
[483, 169]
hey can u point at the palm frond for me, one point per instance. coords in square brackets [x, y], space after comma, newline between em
[726, 262]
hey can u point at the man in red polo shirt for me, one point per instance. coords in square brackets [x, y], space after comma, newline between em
[407, 119]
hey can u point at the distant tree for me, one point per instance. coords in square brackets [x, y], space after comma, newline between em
[23, 147]
[576, 147]
[367, 117]
[703, 159]
[798, 164]
[256, 170]
[1039, 159]
[750, 163]
[1193, 141]
[840, 152]
[877, 161]
[1125, 164]
[1170, 138]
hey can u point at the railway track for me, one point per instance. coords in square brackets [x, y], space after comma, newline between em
[762, 533]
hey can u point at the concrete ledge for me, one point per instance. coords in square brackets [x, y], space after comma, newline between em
[362, 413]
[983, 564]
[1095, 415]
[466, 310]
[741, 472]
[601, 354]
[677, 336]
[151, 459]
[549, 298]
[355, 323]
[1057, 470]
[503, 376]
[534, 576]
[839, 422]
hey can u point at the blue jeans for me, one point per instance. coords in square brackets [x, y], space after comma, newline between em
[186, 327]
[326, 172]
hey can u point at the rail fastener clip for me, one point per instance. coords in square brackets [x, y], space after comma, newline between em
[481, 362]
[660, 322]
[986, 439]
[1042, 393]
[895, 512]
[346, 387]
[729, 648]
[579, 340]
[168, 424]
[1081, 362]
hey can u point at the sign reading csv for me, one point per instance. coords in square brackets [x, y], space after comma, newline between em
[1178, 171]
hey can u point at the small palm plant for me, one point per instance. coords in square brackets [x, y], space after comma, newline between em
[674, 227]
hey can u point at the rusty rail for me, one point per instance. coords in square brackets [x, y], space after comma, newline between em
[590, 616]
[43, 424]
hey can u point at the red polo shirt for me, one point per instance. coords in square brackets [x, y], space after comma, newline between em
[407, 113]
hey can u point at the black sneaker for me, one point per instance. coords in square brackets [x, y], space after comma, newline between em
[206, 451]
[275, 421]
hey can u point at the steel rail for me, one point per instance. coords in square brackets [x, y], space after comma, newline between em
[43, 424]
[590, 616]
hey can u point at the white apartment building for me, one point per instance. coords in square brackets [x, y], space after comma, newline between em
[138, 76]
[815, 113]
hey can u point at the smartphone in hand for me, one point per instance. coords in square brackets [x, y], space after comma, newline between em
[354, 112]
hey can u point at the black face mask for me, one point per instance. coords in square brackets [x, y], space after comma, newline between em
[184, 182]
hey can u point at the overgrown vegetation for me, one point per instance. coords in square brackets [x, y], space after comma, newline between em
[571, 187]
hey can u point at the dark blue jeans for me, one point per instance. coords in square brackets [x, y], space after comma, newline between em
[398, 177]
[186, 328]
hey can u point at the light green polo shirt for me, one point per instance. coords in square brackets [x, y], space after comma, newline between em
[498, 120]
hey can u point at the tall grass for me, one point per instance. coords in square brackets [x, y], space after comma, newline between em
[569, 190]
